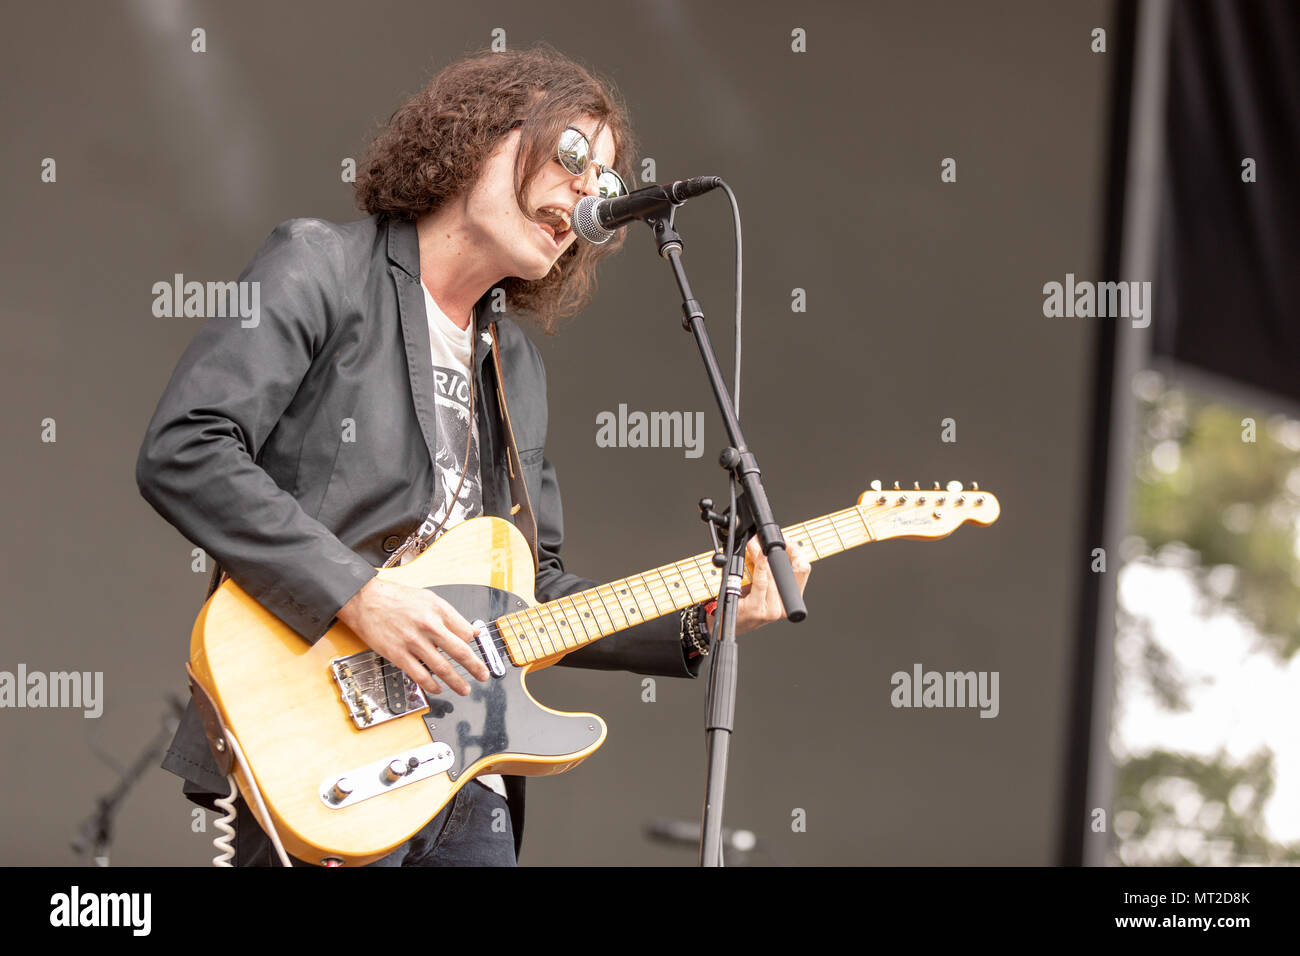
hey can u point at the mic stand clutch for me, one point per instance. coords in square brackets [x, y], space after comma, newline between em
[752, 515]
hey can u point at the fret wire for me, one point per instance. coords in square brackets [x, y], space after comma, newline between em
[548, 608]
[660, 599]
[543, 614]
[669, 590]
[531, 646]
[613, 624]
[649, 590]
[630, 588]
[845, 520]
[582, 618]
[806, 534]
[691, 564]
[566, 623]
[843, 546]
[565, 604]
[614, 595]
[527, 632]
[861, 515]
[680, 568]
[582, 607]
[866, 525]
[533, 616]
[700, 563]
[601, 629]
[618, 604]
[629, 594]
[819, 529]
[529, 627]
[650, 587]
[506, 628]
[705, 588]
[520, 642]
[834, 520]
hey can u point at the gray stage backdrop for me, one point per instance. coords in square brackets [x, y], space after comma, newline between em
[924, 302]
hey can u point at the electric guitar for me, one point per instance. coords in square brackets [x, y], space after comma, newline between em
[352, 758]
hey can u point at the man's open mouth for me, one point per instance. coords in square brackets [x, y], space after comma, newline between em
[555, 223]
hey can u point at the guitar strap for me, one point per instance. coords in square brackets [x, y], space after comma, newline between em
[521, 508]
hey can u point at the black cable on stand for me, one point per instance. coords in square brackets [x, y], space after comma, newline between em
[748, 514]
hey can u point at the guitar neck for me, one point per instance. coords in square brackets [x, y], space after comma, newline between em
[578, 619]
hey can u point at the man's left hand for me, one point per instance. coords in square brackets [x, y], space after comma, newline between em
[760, 603]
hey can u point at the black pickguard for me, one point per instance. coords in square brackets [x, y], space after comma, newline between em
[498, 716]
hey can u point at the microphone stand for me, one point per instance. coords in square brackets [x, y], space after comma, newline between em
[751, 515]
[94, 835]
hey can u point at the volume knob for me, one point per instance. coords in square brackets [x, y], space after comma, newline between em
[341, 790]
[395, 771]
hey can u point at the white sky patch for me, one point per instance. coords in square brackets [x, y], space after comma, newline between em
[1242, 697]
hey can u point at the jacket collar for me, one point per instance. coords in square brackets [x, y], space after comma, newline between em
[404, 252]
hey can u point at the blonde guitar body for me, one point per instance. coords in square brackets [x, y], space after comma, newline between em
[277, 695]
[352, 758]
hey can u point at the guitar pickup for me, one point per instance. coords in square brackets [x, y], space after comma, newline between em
[374, 690]
[488, 650]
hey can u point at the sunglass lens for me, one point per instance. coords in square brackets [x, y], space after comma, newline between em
[574, 151]
[610, 185]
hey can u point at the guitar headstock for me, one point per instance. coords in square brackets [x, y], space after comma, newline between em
[917, 512]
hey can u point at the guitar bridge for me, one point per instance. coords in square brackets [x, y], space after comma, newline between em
[375, 690]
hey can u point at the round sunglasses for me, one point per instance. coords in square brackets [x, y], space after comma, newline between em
[573, 152]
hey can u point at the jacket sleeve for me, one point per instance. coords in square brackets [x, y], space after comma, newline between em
[198, 464]
[653, 648]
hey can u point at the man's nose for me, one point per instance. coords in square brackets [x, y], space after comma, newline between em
[586, 183]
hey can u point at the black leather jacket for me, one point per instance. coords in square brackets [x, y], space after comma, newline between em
[246, 457]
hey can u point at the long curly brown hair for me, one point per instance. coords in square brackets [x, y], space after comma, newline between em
[437, 143]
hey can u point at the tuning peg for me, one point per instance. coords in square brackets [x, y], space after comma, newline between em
[895, 486]
[916, 486]
[875, 485]
[954, 487]
[936, 486]
[975, 486]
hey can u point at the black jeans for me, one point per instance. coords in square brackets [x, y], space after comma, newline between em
[474, 829]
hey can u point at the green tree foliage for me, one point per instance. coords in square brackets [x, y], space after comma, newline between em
[1233, 502]
[1183, 810]
[1217, 493]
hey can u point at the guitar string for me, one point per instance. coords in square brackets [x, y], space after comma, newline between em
[810, 530]
[501, 643]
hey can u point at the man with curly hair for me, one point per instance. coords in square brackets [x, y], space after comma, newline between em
[389, 323]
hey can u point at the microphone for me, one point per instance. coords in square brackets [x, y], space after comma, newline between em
[595, 219]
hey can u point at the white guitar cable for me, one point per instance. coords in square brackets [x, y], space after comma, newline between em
[222, 843]
[227, 803]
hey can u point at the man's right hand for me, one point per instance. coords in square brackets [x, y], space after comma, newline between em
[414, 628]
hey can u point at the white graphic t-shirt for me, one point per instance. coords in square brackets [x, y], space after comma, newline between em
[451, 347]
